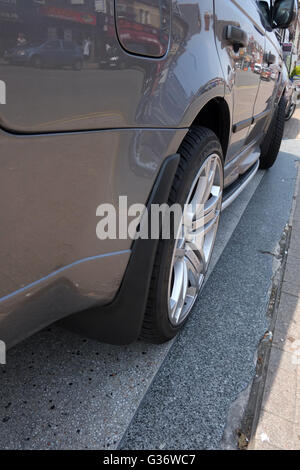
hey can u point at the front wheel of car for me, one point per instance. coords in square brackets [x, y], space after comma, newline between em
[272, 141]
[37, 62]
[182, 260]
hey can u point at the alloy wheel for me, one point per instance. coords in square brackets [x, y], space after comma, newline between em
[195, 239]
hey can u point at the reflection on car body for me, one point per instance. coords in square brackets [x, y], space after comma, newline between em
[257, 68]
[266, 73]
[55, 53]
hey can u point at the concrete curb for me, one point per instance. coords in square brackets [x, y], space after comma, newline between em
[248, 434]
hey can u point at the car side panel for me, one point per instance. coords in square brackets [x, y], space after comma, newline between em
[115, 88]
[270, 88]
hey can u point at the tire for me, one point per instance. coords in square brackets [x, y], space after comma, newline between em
[271, 144]
[200, 152]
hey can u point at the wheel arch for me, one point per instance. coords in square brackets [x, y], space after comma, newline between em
[215, 115]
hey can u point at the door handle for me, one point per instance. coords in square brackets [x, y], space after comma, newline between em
[236, 36]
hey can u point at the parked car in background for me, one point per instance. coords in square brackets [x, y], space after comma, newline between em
[296, 83]
[291, 100]
[187, 119]
[257, 68]
[53, 53]
[266, 73]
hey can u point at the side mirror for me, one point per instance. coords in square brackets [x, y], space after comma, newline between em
[284, 13]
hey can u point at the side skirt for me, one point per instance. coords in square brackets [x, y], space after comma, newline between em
[232, 191]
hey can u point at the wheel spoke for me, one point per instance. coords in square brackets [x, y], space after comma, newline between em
[199, 193]
[177, 285]
[213, 203]
[179, 289]
[210, 180]
[183, 291]
[179, 253]
[195, 267]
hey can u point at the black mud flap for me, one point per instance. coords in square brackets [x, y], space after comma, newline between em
[120, 321]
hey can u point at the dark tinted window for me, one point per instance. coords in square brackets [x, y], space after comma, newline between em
[70, 46]
[52, 45]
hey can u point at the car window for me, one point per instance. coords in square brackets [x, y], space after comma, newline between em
[34, 44]
[70, 46]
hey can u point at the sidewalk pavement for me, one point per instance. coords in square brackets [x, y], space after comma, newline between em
[292, 127]
[279, 421]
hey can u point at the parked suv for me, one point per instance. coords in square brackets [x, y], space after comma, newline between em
[186, 120]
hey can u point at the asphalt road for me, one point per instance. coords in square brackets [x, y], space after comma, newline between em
[59, 390]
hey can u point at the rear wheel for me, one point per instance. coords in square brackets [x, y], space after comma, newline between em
[271, 144]
[37, 62]
[182, 261]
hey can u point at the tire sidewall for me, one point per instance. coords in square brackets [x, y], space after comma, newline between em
[272, 141]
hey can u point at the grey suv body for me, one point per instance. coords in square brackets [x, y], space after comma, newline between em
[166, 86]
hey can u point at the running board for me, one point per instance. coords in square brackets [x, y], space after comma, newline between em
[232, 192]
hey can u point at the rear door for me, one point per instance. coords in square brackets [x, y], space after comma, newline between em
[241, 66]
[52, 53]
[69, 53]
[270, 79]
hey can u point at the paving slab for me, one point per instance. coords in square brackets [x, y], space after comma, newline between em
[280, 392]
[275, 431]
[288, 317]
